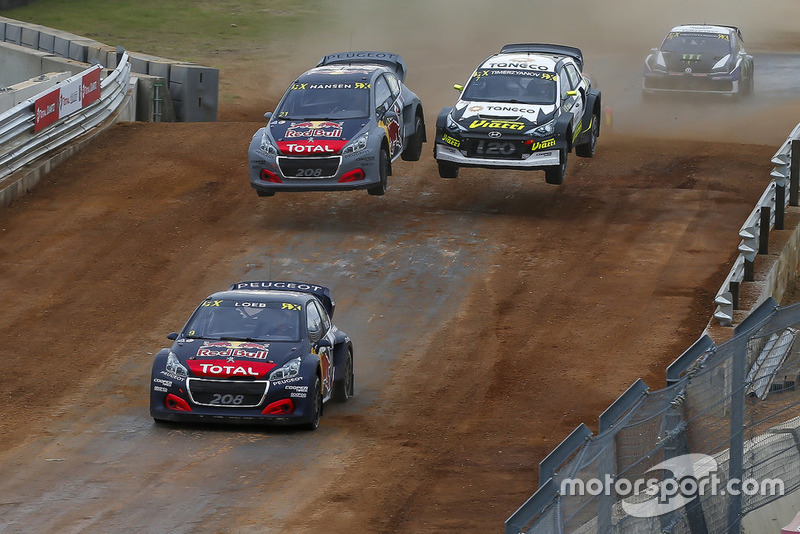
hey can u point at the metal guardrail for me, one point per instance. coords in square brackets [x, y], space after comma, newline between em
[19, 145]
[754, 233]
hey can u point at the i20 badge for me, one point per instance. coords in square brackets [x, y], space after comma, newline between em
[495, 135]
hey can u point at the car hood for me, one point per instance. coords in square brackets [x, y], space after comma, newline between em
[317, 137]
[484, 116]
[233, 359]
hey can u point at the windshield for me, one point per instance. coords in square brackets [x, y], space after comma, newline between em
[245, 321]
[717, 45]
[318, 101]
[511, 86]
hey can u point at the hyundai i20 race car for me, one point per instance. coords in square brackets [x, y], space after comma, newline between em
[339, 126]
[700, 58]
[260, 352]
[525, 108]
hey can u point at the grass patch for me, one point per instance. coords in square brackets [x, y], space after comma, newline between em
[190, 30]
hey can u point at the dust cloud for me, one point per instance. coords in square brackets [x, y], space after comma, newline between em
[442, 41]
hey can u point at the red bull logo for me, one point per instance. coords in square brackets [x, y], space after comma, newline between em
[233, 349]
[326, 129]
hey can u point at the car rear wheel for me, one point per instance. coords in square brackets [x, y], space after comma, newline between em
[587, 149]
[447, 169]
[383, 170]
[555, 174]
[343, 389]
[414, 149]
[316, 407]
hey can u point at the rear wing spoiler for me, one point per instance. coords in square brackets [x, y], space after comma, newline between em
[386, 59]
[541, 48]
[321, 292]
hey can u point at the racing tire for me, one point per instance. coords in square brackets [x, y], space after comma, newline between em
[447, 169]
[265, 193]
[555, 174]
[414, 149]
[383, 170]
[316, 407]
[587, 150]
[343, 389]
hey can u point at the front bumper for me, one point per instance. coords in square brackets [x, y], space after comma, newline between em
[680, 82]
[326, 173]
[260, 403]
[534, 161]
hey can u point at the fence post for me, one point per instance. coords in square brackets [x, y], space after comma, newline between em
[780, 206]
[794, 173]
[763, 230]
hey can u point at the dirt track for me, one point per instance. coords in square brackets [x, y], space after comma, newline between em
[562, 297]
[491, 315]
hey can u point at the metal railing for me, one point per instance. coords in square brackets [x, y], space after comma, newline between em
[768, 213]
[20, 145]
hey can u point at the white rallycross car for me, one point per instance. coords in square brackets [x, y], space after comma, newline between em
[525, 108]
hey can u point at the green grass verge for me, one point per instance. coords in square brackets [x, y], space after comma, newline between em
[190, 30]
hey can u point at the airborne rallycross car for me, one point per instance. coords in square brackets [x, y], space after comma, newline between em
[260, 352]
[525, 108]
[700, 58]
[339, 126]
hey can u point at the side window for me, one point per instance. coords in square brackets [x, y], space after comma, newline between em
[383, 95]
[394, 85]
[574, 76]
[564, 83]
[326, 321]
[314, 322]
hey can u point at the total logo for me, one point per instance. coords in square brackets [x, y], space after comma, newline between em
[230, 368]
[311, 147]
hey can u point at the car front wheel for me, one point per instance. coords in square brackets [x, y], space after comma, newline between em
[383, 170]
[447, 169]
[555, 174]
[316, 407]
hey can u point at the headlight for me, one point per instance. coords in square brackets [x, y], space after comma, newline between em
[543, 130]
[266, 145]
[357, 144]
[175, 366]
[287, 370]
[453, 125]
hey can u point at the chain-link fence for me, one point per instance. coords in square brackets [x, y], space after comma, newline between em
[722, 439]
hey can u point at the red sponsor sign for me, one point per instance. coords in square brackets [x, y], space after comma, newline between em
[66, 98]
[46, 110]
[90, 86]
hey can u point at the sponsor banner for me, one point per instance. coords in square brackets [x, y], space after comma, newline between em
[67, 98]
[230, 368]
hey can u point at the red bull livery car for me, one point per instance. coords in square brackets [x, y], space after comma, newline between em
[260, 352]
[339, 126]
[525, 108]
[700, 58]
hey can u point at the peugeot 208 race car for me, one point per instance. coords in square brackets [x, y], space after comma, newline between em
[699, 58]
[339, 126]
[260, 352]
[525, 108]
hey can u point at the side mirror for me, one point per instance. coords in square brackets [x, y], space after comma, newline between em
[324, 342]
[268, 115]
[172, 336]
[458, 87]
[572, 93]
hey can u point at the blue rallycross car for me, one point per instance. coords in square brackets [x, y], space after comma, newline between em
[339, 126]
[260, 352]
